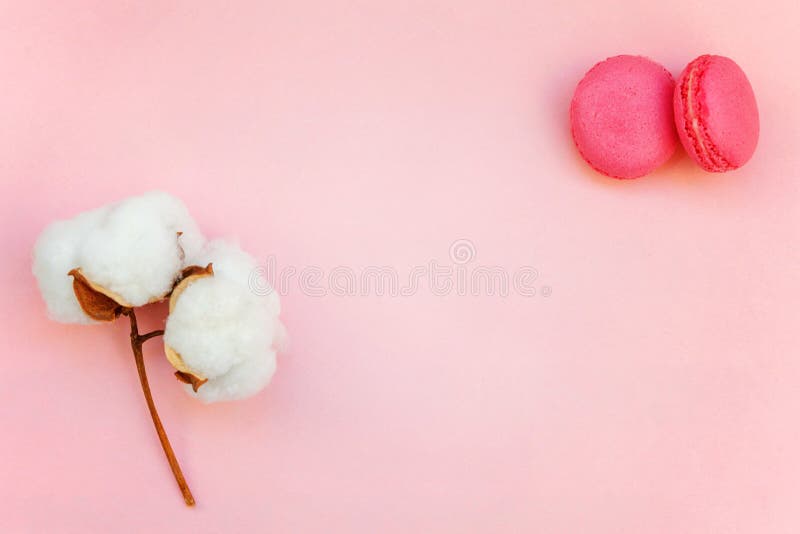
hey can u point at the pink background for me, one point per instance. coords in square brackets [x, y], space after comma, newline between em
[656, 390]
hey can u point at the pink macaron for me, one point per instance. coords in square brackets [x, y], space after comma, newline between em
[622, 117]
[716, 113]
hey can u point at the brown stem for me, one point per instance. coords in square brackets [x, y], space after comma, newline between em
[136, 345]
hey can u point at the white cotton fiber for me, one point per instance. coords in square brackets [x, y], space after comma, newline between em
[232, 263]
[222, 330]
[54, 255]
[131, 248]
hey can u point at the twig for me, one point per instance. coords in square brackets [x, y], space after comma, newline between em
[149, 335]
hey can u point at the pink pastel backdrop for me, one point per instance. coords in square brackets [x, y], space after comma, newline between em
[656, 390]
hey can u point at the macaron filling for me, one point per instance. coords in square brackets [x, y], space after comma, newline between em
[703, 147]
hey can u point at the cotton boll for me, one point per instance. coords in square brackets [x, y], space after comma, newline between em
[220, 330]
[214, 326]
[135, 251]
[131, 249]
[54, 255]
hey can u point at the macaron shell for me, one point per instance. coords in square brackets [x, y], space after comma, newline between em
[716, 113]
[622, 116]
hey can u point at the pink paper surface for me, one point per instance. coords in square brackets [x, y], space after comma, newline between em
[651, 385]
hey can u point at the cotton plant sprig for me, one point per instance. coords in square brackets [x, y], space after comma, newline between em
[220, 337]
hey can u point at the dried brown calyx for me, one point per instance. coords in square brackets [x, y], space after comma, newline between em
[181, 253]
[192, 380]
[97, 302]
[188, 276]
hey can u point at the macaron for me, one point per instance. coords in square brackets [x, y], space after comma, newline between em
[622, 117]
[716, 113]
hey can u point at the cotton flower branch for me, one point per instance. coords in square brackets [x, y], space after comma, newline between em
[220, 337]
[136, 344]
